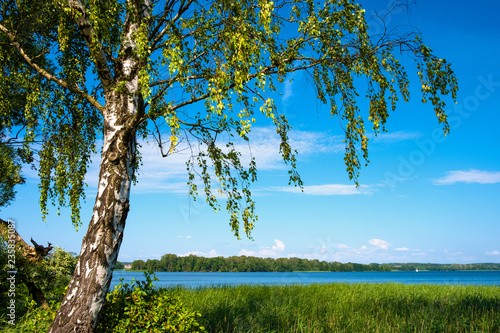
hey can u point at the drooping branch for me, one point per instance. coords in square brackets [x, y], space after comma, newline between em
[73, 88]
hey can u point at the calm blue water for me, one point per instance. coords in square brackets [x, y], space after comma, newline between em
[202, 279]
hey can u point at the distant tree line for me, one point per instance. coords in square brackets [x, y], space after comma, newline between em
[192, 263]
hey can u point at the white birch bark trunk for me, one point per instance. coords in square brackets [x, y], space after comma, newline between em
[87, 290]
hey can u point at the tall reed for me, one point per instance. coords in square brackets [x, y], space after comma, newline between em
[346, 308]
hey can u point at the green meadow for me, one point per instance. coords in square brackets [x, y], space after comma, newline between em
[346, 308]
[338, 307]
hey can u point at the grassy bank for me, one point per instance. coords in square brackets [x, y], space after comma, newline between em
[347, 308]
[310, 308]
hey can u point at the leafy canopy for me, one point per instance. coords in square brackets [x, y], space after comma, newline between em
[11, 173]
[228, 55]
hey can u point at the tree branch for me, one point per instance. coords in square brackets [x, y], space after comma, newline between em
[28, 252]
[168, 7]
[183, 7]
[95, 48]
[46, 74]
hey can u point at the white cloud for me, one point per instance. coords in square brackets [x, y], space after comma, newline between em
[287, 93]
[379, 243]
[280, 246]
[195, 253]
[268, 251]
[211, 253]
[377, 250]
[469, 176]
[168, 175]
[155, 175]
[493, 253]
[328, 189]
[247, 253]
[394, 137]
[273, 250]
[264, 146]
[316, 142]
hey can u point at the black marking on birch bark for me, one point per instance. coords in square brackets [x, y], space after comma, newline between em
[113, 157]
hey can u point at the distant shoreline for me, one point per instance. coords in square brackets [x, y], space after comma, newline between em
[393, 271]
[192, 263]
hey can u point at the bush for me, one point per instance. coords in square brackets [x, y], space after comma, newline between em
[141, 308]
[36, 319]
[129, 308]
[54, 273]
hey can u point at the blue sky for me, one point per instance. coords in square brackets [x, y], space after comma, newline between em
[422, 198]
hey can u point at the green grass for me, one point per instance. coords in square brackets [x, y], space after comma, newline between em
[346, 308]
[338, 307]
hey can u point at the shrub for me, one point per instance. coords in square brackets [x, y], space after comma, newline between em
[129, 308]
[36, 319]
[141, 308]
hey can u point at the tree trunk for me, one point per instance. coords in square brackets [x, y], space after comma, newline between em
[33, 289]
[27, 252]
[87, 290]
[124, 111]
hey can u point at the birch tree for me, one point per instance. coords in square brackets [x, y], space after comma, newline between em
[88, 71]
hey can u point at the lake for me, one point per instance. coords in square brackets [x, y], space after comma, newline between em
[206, 279]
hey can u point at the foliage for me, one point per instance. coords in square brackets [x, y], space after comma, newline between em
[151, 60]
[10, 175]
[139, 265]
[230, 56]
[21, 291]
[342, 307]
[55, 272]
[35, 320]
[192, 263]
[59, 120]
[51, 275]
[129, 308]
[3, 266]
[338, 307]
[141, 308]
